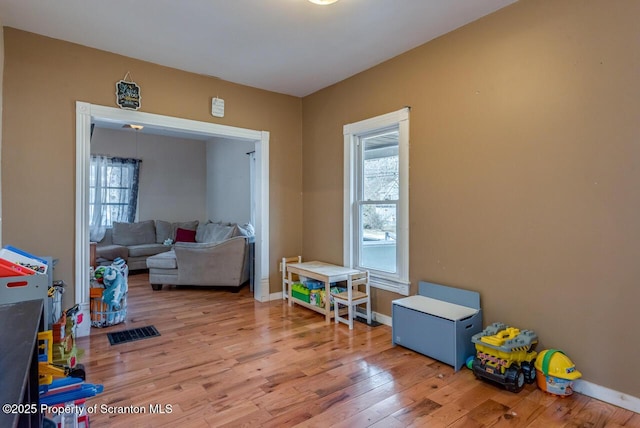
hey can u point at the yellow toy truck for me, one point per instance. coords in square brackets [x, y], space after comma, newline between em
[505, 355]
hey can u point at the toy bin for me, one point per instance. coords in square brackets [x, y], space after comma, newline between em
[313, 284]
[300, 292]
[21, 257]
[104, 314]
[8, 268]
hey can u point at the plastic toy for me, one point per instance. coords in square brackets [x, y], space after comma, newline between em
[469, 362]
[98, 274]
[505, 355]
[556, 372]
[46, 370]
[65, 390]
[65, 352]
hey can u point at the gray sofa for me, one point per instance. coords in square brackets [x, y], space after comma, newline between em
[220, 256]
[134, 242]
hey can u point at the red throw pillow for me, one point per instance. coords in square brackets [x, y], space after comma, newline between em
[185, 235]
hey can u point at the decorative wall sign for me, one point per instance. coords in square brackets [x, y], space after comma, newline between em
[128, 94]
[217, 107]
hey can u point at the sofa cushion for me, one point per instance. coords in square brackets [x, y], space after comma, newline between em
[147, 250]
[214, 232]
[166, 230]
[110, 252]
[166, 260]
[245, 230]
[184, 235]
[107, 239]
[143, 232]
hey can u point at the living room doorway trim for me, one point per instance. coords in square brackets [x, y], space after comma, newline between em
[86, 113]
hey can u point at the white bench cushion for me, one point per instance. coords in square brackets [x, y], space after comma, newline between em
[439, 308]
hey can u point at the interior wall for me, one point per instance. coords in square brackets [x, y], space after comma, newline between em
[228, 184]
[43, 79]
[523, 172]
[173, 172]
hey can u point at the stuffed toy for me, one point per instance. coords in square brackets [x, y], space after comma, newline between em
[121, 265]
[114, 287]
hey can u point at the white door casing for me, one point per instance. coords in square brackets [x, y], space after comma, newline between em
[86, 112]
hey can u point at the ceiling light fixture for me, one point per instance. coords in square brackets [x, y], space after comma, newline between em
[323, 2]
[131, 126]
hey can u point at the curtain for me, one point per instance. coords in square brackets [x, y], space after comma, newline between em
[113, 192]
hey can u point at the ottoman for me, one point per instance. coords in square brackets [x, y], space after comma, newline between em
[163, 269]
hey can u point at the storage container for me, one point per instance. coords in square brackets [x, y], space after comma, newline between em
[300, 292]
[8, 268]
[104, 314]
[21, 257]
[313, 284]
[25, 287]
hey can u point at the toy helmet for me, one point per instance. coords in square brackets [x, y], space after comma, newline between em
[552, 362]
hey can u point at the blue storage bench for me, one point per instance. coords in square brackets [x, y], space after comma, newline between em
[438, 322]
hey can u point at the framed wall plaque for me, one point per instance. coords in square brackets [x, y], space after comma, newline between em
[128, 94]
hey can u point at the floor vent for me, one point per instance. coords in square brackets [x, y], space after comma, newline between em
[132, 335]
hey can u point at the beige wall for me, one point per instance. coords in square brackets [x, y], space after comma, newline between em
[523, 176]
[523, 172]
[44, 77]
[173, 172]
[228, 180]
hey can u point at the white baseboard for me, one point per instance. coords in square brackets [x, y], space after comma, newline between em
[275, 296]
[382, 319]
[607, 395]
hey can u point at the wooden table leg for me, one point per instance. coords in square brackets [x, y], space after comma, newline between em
[327, 302]
[290, 275]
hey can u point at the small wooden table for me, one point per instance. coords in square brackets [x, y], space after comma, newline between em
[321, 271]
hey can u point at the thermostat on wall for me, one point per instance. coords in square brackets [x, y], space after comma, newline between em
[217, 107]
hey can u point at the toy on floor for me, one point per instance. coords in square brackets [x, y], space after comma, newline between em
[121, 265]
[505, 355]
[115, 287]
[556, 372]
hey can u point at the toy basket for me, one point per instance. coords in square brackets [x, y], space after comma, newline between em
[104, 314]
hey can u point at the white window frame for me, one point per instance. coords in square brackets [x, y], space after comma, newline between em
[399, 282]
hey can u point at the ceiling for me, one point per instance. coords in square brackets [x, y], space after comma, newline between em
[288, 46]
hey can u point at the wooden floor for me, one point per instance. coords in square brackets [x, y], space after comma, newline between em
[224, 359]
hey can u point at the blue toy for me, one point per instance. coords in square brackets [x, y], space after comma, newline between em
[121, 265]
[115, 287]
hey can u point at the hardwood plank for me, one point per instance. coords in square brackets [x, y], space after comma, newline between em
[224, 359]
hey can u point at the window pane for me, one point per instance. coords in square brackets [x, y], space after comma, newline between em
[111, 186]
[378, 237]
[381, 167]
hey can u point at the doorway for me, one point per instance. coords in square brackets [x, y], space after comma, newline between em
[87, 113]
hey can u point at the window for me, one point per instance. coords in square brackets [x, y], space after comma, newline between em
[113, 193]
[376, 199]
